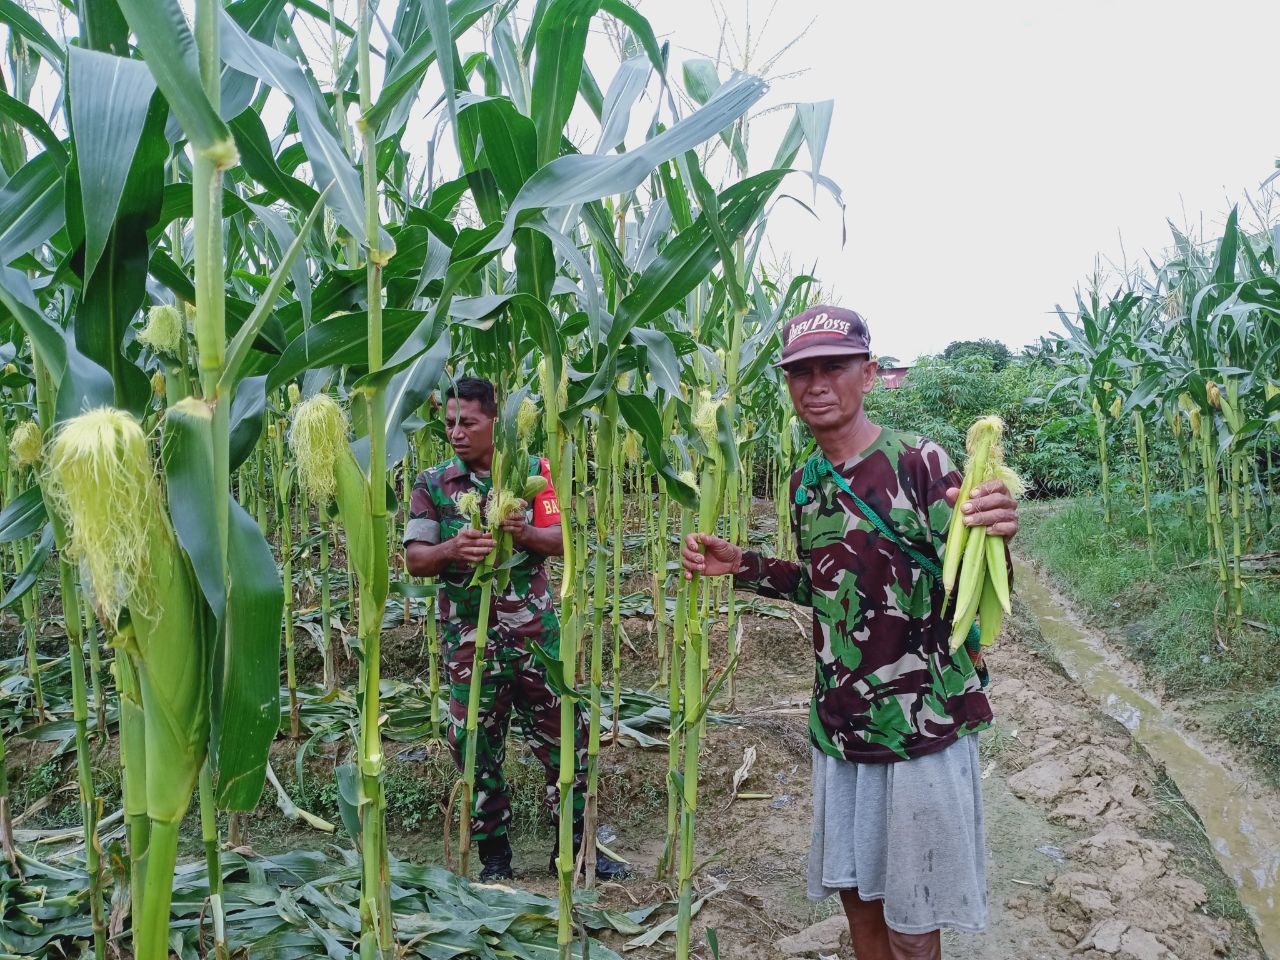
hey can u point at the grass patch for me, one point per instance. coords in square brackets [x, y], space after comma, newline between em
[1168, 612]
[1255, 725]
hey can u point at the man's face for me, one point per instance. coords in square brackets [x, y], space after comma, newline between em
[469, 428]
[827, 391]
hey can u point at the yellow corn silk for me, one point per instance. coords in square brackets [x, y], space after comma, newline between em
[887, 686]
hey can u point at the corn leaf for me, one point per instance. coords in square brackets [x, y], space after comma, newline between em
[641, 414]
[329, 161]
[114, 196]
[22, 515]
[642, 30]
[30, 207]
[30, 573]
[579, 178]
[624, 90]
[249, 670]
[109, 97]
[29, 28]
[34, 124]
[83, 385]
[170, 51]
[403, 80]
[340, 341]
[702, 81]
[46, 336]
[258, 160]
[557, 68]
[248, 413]
[688, 259]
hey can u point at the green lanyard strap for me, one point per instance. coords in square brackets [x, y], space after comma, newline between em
[818, 466]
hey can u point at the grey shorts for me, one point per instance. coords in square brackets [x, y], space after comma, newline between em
[908, 833]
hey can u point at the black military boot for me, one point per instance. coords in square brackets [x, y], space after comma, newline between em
[495, 859]
[607, 868]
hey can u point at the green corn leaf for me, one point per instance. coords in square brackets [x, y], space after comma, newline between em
[642, 30]
[340, 341]
[561, 42]
[22, 515]
[702, 81]
[170, 52]
[660, 356]
[109, 99]
[34, 124]
[437, 14]
[625, 89]
[258, 160]
[409, 389]
[642, 415]
[113, 199]
[250, 714]
[815, 121]
[329, 161]
[238, 349]
[30, 573]
[509, 140]
[580, 178]
[83, 385]
[248, 414]
[187, 456]
[689, 258]
[20, 300]
[402, 82]
[30, 207]
[30, 29]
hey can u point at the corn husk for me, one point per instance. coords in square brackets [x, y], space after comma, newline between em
[26, 444]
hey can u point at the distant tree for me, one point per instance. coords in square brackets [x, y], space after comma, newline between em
[996, 351]
[887, 362]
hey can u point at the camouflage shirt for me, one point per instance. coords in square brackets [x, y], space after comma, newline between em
[526, 609]
[886, 687]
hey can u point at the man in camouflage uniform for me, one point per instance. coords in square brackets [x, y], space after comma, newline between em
[898, 829]
[439, 542]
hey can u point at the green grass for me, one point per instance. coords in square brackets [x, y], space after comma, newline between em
[1256, 726]
[1170, 613]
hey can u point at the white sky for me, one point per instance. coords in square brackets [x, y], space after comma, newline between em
[988, 151]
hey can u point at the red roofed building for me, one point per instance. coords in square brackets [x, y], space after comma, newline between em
[891, 377]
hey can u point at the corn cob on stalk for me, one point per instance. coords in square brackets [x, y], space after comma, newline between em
[973, 560]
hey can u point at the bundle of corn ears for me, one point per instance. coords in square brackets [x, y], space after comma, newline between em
[974, 559]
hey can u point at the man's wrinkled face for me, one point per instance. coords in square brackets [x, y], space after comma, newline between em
[468, 427]
[827, 392]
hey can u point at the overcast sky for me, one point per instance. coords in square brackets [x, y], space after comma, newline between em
[988, 151]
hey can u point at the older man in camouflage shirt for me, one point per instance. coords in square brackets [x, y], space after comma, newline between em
[898, 828]
[438, 542]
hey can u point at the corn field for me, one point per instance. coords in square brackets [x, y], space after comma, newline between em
[236, 279]
[1190, 348]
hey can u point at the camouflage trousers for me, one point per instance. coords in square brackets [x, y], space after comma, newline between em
[514, 681]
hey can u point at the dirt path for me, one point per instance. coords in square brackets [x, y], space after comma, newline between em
[1091, 852]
